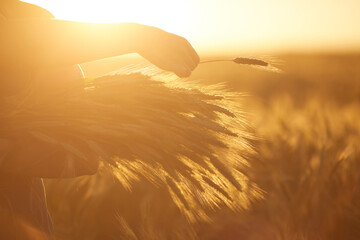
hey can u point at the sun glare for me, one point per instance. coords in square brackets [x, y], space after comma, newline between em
[229, 25]
[169, 15]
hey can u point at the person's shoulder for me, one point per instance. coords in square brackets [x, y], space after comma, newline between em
[18, 9]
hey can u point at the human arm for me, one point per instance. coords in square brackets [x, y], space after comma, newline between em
[39, 43]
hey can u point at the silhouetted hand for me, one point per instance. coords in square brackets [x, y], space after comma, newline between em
[167, 51]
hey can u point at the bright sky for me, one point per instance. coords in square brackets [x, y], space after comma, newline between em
[232, 25]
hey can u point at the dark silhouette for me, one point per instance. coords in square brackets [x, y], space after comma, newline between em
[34, 44]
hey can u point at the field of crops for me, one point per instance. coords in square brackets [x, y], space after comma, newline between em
[302, 179]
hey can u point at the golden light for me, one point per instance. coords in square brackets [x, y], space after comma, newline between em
[228, 25]
[169, 15]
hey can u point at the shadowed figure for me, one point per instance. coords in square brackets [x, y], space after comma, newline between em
[34, 45]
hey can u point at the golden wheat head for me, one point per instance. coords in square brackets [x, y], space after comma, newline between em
[193, 142]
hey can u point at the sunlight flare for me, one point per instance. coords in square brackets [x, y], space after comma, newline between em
[169, 15]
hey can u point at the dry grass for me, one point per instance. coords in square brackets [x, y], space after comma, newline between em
[182, 141]
[307, 164]
[309, 167]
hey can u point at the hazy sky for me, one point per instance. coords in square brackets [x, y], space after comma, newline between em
[232, 25]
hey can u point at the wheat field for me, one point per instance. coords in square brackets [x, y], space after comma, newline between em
[288, 143]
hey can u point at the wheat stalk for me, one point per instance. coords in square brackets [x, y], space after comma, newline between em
[241, 60]
[193, 142]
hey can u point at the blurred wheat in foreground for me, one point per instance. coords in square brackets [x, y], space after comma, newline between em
[184, 147]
